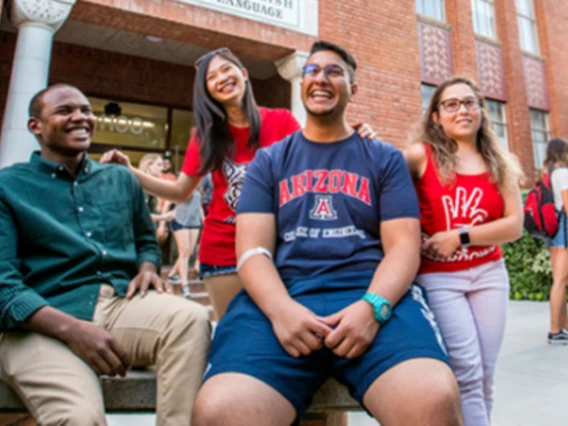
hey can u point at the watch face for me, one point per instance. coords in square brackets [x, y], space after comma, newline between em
[384, 311]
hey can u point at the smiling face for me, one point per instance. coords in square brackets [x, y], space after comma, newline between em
[463, 124]
[66, 122]
[326, 93]
[225, 81]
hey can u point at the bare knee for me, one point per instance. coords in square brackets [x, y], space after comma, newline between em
[426, 385]
[444, 406]
[210, 409]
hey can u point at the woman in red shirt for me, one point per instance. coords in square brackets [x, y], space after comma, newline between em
[230, 127]
[468, 189]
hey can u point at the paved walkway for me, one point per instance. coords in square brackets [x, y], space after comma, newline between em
[531, 383]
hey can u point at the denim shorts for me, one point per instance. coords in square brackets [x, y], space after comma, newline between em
[176, 226]
[559, 239]
[206, 270]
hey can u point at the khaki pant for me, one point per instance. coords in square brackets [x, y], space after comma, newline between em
[60, 389]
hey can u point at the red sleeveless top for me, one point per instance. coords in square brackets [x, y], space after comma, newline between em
[469, 200]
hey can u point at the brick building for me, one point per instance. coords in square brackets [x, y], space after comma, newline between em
[134, 58]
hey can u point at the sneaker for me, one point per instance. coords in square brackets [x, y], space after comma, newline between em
[173, 279]
[185, 292]
[560, 338]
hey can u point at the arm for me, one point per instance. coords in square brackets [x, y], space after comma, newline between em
[564, 193]
[23, 307]
[297, 328]
[147, 250]
[93, 344]
[17, 300]
[166, 217]
[503, 230]
[399, 230]
[176, 191]
[415, 157]
[356, 326]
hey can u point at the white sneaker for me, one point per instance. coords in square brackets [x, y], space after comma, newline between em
[185, 291]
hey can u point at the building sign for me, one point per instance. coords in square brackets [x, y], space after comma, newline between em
[297, 15]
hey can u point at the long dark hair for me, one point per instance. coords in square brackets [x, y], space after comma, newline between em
[216, 139]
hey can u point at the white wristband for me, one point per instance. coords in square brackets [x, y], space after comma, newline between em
[252, 252]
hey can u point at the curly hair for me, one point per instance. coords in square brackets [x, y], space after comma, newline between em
[503, 167]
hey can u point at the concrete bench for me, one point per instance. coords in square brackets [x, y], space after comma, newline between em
[137, 393]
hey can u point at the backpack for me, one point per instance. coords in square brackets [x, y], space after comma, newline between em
[541, 218]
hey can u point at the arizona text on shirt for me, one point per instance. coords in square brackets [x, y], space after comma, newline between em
[325, 182]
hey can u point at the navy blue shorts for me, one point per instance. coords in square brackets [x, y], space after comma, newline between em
[245, 342]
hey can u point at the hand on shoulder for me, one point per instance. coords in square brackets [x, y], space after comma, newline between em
[116, 157]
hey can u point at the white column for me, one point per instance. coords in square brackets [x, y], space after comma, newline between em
[290, 68]
[37, 21]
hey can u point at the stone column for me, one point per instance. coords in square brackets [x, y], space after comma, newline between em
[37, 21]
[290, 68]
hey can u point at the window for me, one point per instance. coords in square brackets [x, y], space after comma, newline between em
[431, 8]
[527, 26]
[129, 125]
[540, 135]
[484, 18]
[427, 93]
[498, 121]
[139, 128]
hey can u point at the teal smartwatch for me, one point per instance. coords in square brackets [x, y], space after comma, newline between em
[381, 306]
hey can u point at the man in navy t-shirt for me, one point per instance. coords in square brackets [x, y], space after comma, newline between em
[328, 242]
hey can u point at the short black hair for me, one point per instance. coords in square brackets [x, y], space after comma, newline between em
[36, 104]
[323, 45]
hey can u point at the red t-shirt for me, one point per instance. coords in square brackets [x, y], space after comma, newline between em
[218, 239]
[470, 200]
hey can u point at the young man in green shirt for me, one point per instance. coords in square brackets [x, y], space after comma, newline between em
[77, 259]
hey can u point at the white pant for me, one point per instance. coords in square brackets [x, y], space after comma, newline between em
[471, 308]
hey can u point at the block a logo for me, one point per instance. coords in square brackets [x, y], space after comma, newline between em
[323, 208]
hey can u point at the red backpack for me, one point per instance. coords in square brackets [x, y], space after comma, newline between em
[541, 218]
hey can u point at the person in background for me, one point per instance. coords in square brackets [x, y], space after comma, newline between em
[470, 202]
[556, 162]
[78, 258]
[167, 172]
[153, 165]
[230, 128]
[186, 221]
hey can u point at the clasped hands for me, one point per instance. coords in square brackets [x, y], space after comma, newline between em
[348, 333]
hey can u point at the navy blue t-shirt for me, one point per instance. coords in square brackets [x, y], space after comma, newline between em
[329, 200]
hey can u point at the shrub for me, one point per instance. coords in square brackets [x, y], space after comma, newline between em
[530, 272]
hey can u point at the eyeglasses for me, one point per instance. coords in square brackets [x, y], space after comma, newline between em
[211, 53]
[453, 105]
[331, 71]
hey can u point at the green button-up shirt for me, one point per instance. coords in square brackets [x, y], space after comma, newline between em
[61, 237]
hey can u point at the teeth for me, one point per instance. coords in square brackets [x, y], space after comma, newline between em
[319, 94]
[228, 86]
[79, 132]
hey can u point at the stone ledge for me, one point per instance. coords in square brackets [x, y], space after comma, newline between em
[137, 393]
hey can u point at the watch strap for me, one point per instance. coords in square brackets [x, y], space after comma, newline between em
[377, 302]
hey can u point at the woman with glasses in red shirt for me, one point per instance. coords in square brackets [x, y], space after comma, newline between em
[468, 189]
[229, 128]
